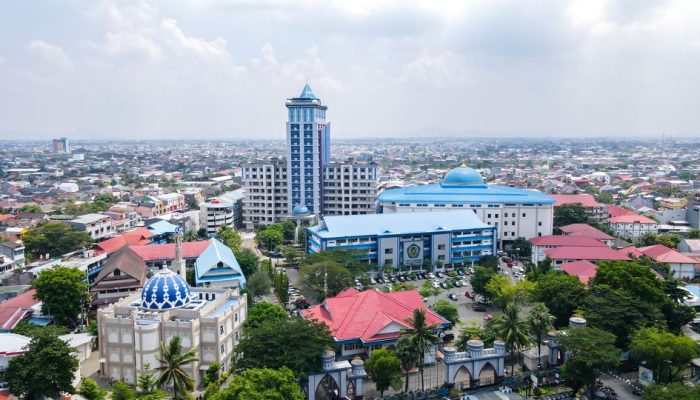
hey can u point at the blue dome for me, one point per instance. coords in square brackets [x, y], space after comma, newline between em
[300, 210]
[463, 176]
[165, 290]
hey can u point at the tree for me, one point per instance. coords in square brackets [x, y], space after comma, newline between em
[26, 328]
[674, 391]
[122, 391]
[522, 247]
[447, 310]
[267, 345]
[344, 258]
[590, 350]
[408, 354]
[248, 261]
[428, 290]
[91, 390]
[423, 337]
[561, 293]
[259, 284]
[503, 291]
[605, 198]
[485, 333]
[146, 383]
[55, 239]
[694, 234]
[230, 238]
[326, 279]
[262, 384]
[46, 368]
[171, 370]
[292, 255]
[30, 209]
[663, 351]
[63, 293]
[213, 374]
[534, 272]
[479, 280]
[513, 330]
[270, 238]
[280, 283]
[539, 320]
[570, 214]
[384, 368]
[670, 240]
[264, 312]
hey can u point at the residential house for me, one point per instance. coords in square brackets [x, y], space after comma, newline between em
[123, 273]
[98, 226]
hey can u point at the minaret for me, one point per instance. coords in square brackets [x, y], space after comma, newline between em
[179, 262]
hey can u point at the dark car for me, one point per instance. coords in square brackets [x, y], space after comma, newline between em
[469, 294]
[452, 297]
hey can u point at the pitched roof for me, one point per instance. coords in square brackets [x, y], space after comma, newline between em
[162, 227]
[615, 211]
[630, 219]
[15, 309]
[561, 240]
[585, 230]
[127, 261]
[166, 251]
[584, 270]
[585, 200]
[584, 253]
[630, 250]
[370, 315]
[139, 236]
[661, 253]
[217, 262]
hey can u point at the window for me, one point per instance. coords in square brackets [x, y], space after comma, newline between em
[441, 247]
[388, 251]
[117, 272]
[223, 348]
[523, 215]
[236, 335]
[539, 223]
[488, 215]
[235, 318]
[221, 329]
[441, 258]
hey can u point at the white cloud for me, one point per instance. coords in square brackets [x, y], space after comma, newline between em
[183, 44]
[50, 53]
[128, 43]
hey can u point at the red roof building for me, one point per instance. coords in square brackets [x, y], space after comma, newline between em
[157, 254]
[14, 310]
[632, 225]
[584, 270]
[615, 211]
[137, 237]
[585, 230]
[541, 244]
[370, 319]
[594, 209]
[682, 266]
[566, 254]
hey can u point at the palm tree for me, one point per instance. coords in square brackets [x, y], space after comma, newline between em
[512, 330]
[422, 336]
[172, 360]
[539, 320]
[408, 354]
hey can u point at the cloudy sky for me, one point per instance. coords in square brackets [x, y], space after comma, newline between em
[223, 68]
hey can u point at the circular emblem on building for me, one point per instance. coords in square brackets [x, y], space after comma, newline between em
[413, 251]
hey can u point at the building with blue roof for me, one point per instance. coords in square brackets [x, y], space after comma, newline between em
[162, 231]
[515, 212]
[453, 238]
[218, 267]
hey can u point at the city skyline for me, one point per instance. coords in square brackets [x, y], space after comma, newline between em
[177, 70]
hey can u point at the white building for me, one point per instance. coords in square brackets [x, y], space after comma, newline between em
[131, 330]
[632, 226]
[265, 185]
[226, 210]
[513, 211]
[349, 188]
[98, 226]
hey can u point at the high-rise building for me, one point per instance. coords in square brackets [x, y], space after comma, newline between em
[265, 185]
[61, 145]
[350, 188]
[308, 150]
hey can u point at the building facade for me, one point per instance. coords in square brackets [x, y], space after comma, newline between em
[131, 330]
[632, 226]
[441, 240]
[265, 185]
[98, 226]
[226, 210]
[513, 211]
[308, 150]
[350, 188]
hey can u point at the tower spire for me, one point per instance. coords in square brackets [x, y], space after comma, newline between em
[179, 262]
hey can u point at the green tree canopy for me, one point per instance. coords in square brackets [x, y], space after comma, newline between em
[674, 391]
[91, 390]
[521, 247]
[670, 240]
[474, 330]
[46, 369]
[30, 208]
[26, 328]
[539, 321]
[631, 277]
[264, 312]
[663, 351]
[262, 384]
[447, 310]
[561, 293]
[329, 274]
[503, 291]
[55, 239]
[122, 391]
[259, 283]
[422, 336]
[267, 345]
[408, 354]
[570, 214]
[512, 329]
[247, 260]
[384, 368]
[590, 350]
[230, 238]
[481, 278]
[344, 258]
[63, 293]
[172, 370]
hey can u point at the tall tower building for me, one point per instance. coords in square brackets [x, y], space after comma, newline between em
[308, 151]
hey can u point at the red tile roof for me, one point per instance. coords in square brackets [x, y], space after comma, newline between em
[661, 253]
[615, 211]
[137, 237]
[585, 200]
[584, 253]
[560, 240]
[630, 219]
[585, 230]
[365, 315]
[584, 270]
[631, 250]
[158, 252]
[15, 309]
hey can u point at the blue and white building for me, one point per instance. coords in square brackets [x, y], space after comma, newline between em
[308, 150]
[218, 267]
[515, 212]
[456, 238]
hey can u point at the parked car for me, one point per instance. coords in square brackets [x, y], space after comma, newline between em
[469, 294]
[440, 274]
[374, 281]
[452, 297]
[435, 285]
[488, 317]
[443, 285]
[460, 272]
[458, 283]
[392, 279]
[380, 280]
[431, 275]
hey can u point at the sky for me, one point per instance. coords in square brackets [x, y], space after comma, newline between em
[222, 69]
